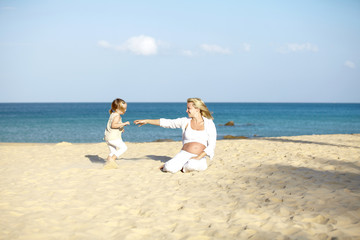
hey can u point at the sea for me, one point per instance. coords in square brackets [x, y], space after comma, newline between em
[85, 122]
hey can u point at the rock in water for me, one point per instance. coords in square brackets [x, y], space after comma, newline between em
[164, 140]
[234, 137]
[231, 123]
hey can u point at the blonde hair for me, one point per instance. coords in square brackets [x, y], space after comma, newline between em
[199, 104]
[117, 104]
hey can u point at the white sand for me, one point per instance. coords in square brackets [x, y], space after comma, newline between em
[305, 187]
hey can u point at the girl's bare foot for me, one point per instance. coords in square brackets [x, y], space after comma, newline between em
[111, 164]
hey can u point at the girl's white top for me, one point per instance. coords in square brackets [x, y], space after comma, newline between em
[209, 128]
[113, 133]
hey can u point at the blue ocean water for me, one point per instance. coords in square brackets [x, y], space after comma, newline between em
[85, 122]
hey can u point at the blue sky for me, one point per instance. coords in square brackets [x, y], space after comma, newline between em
[167, 51]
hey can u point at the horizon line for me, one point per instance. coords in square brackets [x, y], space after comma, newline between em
[181, 102]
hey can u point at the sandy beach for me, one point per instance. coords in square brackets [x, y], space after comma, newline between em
[305, 187]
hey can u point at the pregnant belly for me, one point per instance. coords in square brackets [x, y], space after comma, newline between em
[194, 147]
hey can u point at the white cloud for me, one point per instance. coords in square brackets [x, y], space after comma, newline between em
[188, 53]
[296, 47]
[104, 44]
[214, 49]
[140, 45]
[302, 47]
[349, 64]
[246, 47]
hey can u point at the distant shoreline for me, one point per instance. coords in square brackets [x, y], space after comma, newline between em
[165, 140]
[184, 102]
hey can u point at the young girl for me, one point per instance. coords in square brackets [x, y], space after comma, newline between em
[113, 131]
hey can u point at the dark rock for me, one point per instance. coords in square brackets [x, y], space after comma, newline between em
[164, 140]
[231, 123]
[234, 137]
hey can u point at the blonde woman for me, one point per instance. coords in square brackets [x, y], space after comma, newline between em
[113, 131]
[198, 137]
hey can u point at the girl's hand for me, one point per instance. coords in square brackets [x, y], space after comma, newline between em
[127, 123]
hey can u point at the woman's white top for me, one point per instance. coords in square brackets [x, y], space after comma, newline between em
[206, 136]
[191, 135]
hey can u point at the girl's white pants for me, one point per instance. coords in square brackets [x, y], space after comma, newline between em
[183, 160]
[116, 147]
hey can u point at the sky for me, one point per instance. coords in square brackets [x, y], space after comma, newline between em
[168, 51]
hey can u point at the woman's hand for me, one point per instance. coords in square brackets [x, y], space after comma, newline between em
[147, 121]
[200, 156]
[140, 122]
[127, 123]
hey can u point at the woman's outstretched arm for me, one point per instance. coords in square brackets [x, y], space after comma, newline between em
[147, 121]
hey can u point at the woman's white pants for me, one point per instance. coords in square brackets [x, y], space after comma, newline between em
[116, 147]
[183, 161]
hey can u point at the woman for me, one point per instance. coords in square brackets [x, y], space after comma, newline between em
[198, 137]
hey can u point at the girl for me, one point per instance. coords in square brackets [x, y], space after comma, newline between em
[113, 131]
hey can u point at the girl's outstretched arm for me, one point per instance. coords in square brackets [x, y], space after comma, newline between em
[115, 123]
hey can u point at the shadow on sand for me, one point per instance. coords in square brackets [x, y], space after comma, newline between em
[95, 159]
[159, 158]
[98, 160]
[305, 142]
